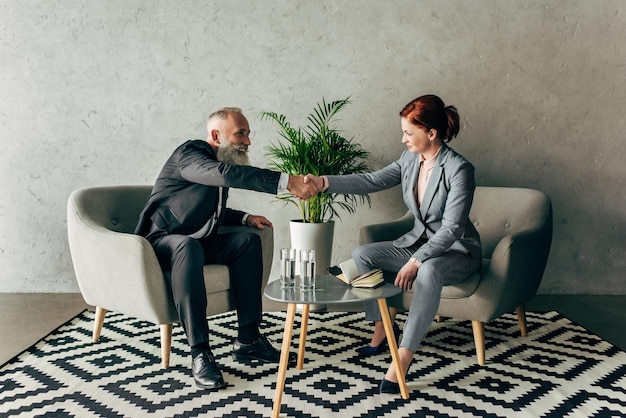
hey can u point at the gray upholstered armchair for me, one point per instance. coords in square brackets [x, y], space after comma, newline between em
[118, 271]
[515, 227]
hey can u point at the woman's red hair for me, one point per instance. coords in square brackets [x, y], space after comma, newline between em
[430, 112]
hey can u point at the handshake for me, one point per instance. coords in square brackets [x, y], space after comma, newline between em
[304, 187]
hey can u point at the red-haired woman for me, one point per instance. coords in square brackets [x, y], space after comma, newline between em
[443, 248]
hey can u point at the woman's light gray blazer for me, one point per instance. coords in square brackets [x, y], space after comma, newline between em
[444, 213]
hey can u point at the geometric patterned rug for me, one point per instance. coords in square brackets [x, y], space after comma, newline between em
[559, 369]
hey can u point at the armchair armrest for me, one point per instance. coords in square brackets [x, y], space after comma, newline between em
[387, 231]
[104, 261]
[515, 270]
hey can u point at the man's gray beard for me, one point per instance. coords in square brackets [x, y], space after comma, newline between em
[229, 154]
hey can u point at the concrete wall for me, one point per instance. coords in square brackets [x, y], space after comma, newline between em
[95, 93]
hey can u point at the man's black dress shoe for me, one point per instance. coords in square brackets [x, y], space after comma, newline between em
[370, 350]
[260, 350]
[205, 371]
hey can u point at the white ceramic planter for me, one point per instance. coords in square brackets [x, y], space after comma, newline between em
[313, 236]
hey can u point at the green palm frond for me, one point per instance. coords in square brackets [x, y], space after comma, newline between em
[317, 148]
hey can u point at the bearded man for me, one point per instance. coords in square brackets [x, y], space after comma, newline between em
[181, 221]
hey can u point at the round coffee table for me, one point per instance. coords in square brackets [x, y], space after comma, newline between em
[328, 290]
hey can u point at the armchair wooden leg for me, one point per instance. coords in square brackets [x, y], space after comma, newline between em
[166, 344]
[97, 324]
[438, 318]
[479, 340]
[521, 319]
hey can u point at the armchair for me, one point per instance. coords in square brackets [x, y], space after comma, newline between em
[118, 271]
[515, 227]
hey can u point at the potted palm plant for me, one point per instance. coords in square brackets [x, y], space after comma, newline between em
[317, 148]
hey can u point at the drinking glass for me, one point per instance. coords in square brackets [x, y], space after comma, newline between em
[287, 268]
[307, 269]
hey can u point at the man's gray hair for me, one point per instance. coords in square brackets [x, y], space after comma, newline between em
[223, 112]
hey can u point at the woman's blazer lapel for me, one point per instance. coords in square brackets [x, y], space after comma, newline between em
[433, 182]
[410, 183]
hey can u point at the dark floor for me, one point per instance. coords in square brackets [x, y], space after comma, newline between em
[27, 317]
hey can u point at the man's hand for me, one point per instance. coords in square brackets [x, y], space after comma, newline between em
[300, 189]
[406, 276]
[258, 222]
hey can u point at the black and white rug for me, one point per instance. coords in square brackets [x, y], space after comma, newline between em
[560, 369]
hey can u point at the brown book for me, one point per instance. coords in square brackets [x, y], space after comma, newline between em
[350, 275]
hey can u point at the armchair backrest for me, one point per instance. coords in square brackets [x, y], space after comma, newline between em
[501, 211]
[115, 208]
[116, 269]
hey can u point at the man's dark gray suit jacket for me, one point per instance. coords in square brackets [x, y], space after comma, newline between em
[185, 194]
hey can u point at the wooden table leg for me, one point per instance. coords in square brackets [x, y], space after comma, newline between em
[393, 347]
[284, 359]
[303, 329]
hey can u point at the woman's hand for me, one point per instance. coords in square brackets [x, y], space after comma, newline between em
[406, 276]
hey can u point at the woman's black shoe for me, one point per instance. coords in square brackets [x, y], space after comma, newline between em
[370, 350]
[387, 386]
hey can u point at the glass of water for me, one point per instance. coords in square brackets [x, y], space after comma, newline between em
[287, 268]
[307, 269]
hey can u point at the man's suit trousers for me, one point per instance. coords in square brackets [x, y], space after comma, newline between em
[185, 257]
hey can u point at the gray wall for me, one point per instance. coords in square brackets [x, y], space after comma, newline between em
[95, 93]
